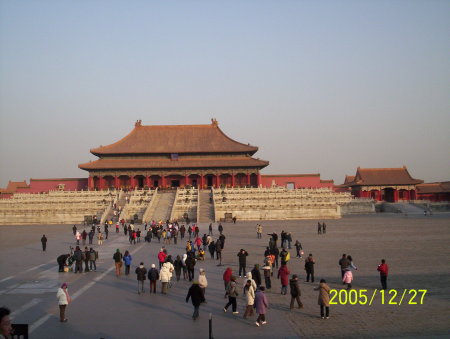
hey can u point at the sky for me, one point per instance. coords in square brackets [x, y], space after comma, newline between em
[319, 86]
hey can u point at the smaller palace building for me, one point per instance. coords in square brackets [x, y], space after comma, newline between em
[383, 184]
[174, 156]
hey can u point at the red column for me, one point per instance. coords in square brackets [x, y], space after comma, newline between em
[218, 180]
[412, 195]
[232, 180]
[132, 182]
[248, 179]
[395, 195]
[163, 181]
[379, 197]
[259, 179]
[101, 183]
[185, 180]
[202, 181]
[147, 181]
[116, 182]
[90, 183]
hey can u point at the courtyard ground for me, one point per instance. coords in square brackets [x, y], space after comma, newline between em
[416, 249]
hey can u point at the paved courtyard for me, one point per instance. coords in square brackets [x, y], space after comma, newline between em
[416, 249]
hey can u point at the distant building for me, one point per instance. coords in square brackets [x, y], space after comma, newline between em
[174, 156]
[434, 191]
[383, 184]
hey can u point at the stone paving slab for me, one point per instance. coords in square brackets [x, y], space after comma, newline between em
[416, 249]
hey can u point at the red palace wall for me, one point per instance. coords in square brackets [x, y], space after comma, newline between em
[45, 185]
[299, 181]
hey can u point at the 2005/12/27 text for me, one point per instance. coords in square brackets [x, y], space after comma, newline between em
[386, 297]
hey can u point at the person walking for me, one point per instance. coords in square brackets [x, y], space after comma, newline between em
[283, 275]
[383, 268]
[78, 256]
[347, 279]
[261, 304]
[227, 277]
[344, 263]
[74, 230]
[319, 228]
[78, 237]
[178, 266]
[298, 248]
[250, 296]
[203, 282]
[44, 242]
[256, 274]
[93, 255]
[100, 238]
[259, 231]
[164, 277]
[86, 256]
[242, 262]
[232, 294]
[210, 229]
[267, 270]
[190, 264]
[161, 257]
[118, 262]
[141, 273]
[197, 297]
[212, 248]
[324, 228]
[63, 300]
[309, 268]
[127, 259]
[153, 276]
[324, 298]
[289, 239]
[219, 251]
[295, 292]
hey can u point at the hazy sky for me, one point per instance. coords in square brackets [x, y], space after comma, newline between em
[319, 86]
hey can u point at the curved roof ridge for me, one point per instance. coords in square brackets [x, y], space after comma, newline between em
[204, 138]
[237, 142]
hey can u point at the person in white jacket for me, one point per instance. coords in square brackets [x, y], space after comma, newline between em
[249, 277]
[249, 292]
[164, 277]
[63, 300]
[202, 281]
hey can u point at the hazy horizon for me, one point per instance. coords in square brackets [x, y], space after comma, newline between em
[320, 87]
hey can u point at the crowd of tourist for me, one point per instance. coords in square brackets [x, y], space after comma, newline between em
[256, 281]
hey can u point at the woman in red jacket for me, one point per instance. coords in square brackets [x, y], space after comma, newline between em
[227, 276]
[283, 275]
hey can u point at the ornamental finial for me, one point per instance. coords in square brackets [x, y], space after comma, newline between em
[214, 122]
[138, 123]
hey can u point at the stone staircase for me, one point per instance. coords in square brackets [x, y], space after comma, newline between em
[162, 206]
[407, 208]
[206, 208]
[120, 203]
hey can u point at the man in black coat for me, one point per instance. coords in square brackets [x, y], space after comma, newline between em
[190, 264]
[78, 256]
[44, 242]
[61, 260]
[256, 275]
[243, 254]
[295, 292]
[196, 295]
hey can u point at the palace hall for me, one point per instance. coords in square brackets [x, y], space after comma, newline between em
[153, 156]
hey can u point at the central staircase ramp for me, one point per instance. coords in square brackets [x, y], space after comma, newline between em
[161, 208]
[205, 207]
